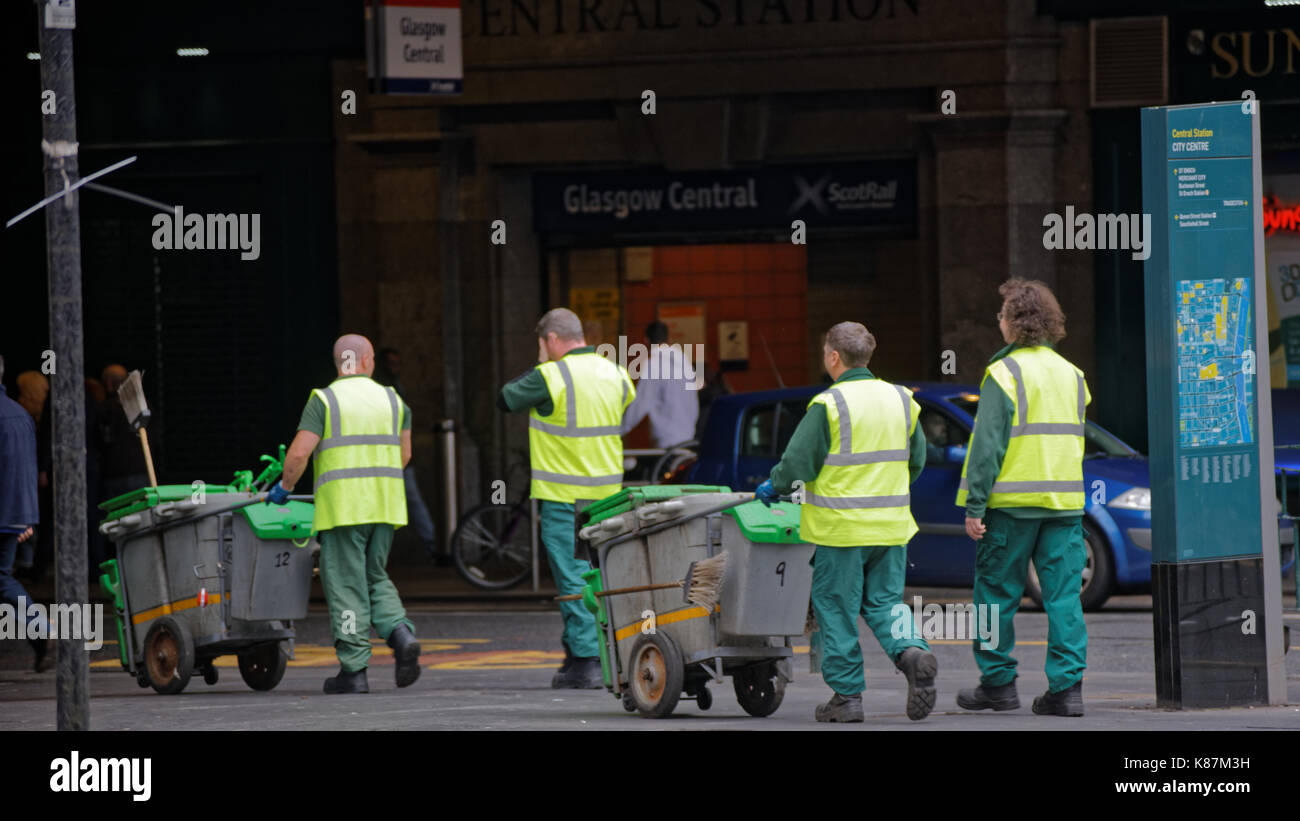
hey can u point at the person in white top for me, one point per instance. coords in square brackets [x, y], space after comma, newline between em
[667, 393]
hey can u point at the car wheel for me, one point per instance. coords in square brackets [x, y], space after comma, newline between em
[1098, 573]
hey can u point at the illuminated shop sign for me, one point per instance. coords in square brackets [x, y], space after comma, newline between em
[1280, 217]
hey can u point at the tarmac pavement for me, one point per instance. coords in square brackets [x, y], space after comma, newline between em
[487, 665]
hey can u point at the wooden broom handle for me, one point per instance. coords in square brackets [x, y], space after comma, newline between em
[620, 591]
[148, 458]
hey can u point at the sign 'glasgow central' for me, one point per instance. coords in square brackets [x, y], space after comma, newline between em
[869, 194]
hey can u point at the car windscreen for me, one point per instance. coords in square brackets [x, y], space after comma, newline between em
[1097, 443]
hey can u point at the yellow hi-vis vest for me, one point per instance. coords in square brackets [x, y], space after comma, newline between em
[1043, 465]
[861, 496]
[577, 451]
[358, 463]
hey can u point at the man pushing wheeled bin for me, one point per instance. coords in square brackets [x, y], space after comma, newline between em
[858, 449]
[360, 435]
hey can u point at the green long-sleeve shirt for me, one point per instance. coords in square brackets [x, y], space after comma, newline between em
[804, 456]
[988, 447]
[528, 390]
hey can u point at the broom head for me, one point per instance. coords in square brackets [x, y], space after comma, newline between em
[704, 581]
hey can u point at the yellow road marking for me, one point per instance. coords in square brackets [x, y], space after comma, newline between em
[502, 660]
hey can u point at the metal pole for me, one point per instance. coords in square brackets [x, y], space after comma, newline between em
[532, 529]
[450, 510]
[63, 254]
[1275, 664]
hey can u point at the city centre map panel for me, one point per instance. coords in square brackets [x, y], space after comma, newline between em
[1216, 366]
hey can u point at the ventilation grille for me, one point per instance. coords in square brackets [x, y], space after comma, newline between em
[1130, 65]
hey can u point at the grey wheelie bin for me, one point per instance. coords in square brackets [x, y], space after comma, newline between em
[193, 580]
[656, 646]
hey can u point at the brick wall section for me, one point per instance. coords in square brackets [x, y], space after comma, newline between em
[762, 283]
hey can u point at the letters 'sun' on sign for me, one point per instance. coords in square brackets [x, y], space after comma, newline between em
[414, 46]
[1216, 587]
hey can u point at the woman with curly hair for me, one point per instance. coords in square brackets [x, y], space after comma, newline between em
[1022, 487]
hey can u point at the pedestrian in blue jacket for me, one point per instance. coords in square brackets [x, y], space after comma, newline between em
[19, 510]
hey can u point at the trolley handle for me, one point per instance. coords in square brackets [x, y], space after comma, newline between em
[749, 497]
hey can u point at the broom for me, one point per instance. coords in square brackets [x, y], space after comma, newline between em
[702, 583]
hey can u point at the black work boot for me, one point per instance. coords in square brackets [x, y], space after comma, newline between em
[346, 682]
[406, 655]
[557, 680]
[841, 709]
[1068, 702]
[583, 674]
[920, 667]
[982, 698]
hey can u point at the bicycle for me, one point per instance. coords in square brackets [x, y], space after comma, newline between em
[492, 546]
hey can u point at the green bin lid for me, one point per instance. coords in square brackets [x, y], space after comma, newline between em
[288, 521]
[146, 497]
[634, 497]
[778, 524]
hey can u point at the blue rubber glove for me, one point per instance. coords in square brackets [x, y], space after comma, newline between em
[766, 493]
[277, 495]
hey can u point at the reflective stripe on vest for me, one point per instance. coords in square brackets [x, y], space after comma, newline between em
[1043, 465]
[577, 452]
[846, 456]
[332, 402]
[358, 475]
[570, 427]
[861, 495]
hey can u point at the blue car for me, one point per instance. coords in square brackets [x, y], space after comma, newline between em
[745, 435]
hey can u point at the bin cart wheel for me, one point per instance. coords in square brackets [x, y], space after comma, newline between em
[759, 689]
[263, 666]
[703, 698]
[168, 656]
[656, 674]
[629, 703]
[141, 677]
[209, 673]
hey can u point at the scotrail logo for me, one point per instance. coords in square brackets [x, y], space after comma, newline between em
[128, 775]
[953, 621]
[681, 363]
[83, 622]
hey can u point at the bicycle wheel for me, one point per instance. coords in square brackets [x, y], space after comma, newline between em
[492, 546]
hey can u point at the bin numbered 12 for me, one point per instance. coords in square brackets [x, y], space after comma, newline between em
[780, 571]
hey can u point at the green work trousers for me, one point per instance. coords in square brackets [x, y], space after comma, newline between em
[353, 560]
[848, 581]
[557, 535]
[1001, 566]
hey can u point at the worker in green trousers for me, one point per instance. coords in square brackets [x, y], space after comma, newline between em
[1022, 488]
[575, 400]
[358, 434]
[856, 452]
[579, 634]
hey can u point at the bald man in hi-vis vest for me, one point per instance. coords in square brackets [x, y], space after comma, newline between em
[575, 400]
[1022, 487]
[359, 435]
